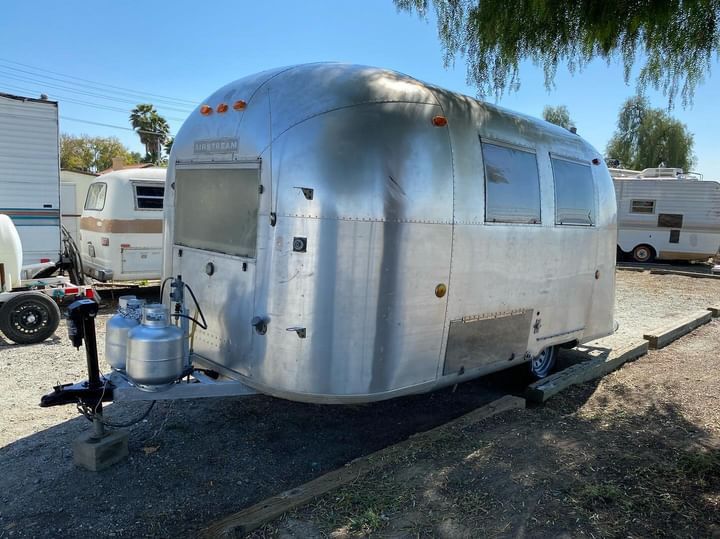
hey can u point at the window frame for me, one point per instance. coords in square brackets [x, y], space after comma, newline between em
[574, 161]
[510, 146]
[634, 200]
[87, 196]
[670, 216]
[141, 183]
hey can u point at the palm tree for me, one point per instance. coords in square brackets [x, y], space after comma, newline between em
[152, 129]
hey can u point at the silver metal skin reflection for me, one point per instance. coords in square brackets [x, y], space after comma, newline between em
[117, 329]
[155, 357]
[389, 204]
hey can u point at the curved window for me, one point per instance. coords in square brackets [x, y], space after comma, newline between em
[574, 193]
[95, 199]
[512, 185]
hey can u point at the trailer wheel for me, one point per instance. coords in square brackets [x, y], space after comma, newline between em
[643, 253]
[543, 363]
[29, 318]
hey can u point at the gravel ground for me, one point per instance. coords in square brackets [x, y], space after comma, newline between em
[173, 485]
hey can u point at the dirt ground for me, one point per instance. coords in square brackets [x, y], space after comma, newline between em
[562, 468]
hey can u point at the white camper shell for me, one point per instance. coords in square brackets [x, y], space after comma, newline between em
[666, 214]
[122, 225]
[30, 174]
[353, 234]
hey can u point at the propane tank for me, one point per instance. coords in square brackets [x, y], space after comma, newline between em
[155, 356]
[127, 317]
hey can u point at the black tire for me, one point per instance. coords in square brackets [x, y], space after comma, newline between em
[544, 363]
[29, 318]
[643, 254]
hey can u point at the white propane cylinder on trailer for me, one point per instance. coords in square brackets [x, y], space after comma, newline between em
[155, 350]
[10, 254]
[127, 317]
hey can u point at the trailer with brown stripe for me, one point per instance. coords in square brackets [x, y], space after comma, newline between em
[121, 225]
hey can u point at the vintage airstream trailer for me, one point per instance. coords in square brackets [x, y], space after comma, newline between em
[121, 225]
[353, 234]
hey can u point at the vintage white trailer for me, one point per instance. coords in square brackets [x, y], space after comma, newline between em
[666, 214]
[122, 225]
[30, 174]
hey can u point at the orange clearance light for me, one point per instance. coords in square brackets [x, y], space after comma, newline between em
[439, 121]
[206, 110]
[239, 105]
[222, 107]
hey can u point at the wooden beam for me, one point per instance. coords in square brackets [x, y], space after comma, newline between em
[684, 273]
[671, 331]
[598, 362]
[261, 513]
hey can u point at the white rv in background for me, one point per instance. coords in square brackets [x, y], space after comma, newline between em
[30, 174]
[121, 226]
[73, 192]
[666, 214]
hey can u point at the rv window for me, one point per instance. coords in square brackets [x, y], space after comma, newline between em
[670, 220]
[512, 185]
[642, 206]
[574, 193]
[95, 199]
[149, 197]
[216, 209]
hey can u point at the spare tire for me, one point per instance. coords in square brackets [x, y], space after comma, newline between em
[29, 318]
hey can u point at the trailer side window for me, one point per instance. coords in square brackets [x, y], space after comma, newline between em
[512, 185]
[670, 220]
[149, 197]
[217, 209]
[642, 206]
[95, 199]
[574, 193]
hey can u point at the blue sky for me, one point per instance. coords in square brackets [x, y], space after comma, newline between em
[185, 50]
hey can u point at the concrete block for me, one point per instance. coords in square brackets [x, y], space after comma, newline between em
[593, 367]
[96, 455]
[666, 334]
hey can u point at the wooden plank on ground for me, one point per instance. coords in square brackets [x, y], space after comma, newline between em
[714, 311]
[675, 329]
[259, 514]
[597, 364]
[684, 273]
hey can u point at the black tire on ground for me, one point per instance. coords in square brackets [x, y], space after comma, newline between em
[29, 318]
[643, 253]
[543, 363]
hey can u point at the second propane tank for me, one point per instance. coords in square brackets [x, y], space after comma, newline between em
[127, 317]
[155, 357]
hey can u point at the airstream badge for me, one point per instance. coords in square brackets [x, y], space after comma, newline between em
[216, 145]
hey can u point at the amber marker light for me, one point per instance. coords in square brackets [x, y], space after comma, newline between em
[222, 107]
[206, 110]
[439, 121]
[440, 290]
[239, 105]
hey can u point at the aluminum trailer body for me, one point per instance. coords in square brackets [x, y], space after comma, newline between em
[668, 218]
[30, 174]
[353, 234]
[121, 225]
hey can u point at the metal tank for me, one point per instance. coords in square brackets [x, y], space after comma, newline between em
[127, 317]
[155, 357]
[332, 222]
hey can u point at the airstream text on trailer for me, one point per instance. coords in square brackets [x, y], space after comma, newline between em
[351, 234]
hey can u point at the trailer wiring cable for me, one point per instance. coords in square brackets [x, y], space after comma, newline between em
[91, 413]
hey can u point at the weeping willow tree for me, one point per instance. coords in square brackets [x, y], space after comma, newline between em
[559, 115]
[671, 41]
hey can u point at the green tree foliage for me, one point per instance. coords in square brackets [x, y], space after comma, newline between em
[92, 154]
[559, 115]
[152, 129]
[673, 41]
[648, 137]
